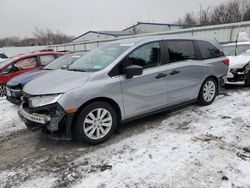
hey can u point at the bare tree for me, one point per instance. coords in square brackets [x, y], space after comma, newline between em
[220, 15]
[47, 37]
[41, 37]
[228, 12]
[188, 19]
[204, 16]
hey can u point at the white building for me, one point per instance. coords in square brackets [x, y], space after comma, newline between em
[139, 28]
[99, 35]
[144, 27]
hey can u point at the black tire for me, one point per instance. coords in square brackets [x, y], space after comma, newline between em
[202, 100]
[2, 90]
[247, 80]
[80, 126]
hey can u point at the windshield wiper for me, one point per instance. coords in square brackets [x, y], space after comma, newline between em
[77, 70]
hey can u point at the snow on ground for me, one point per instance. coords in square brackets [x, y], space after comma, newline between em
[191, 147]
[9, 120]
[176, 154]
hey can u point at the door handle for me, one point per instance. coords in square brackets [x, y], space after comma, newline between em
[160, 75]
[174, 72]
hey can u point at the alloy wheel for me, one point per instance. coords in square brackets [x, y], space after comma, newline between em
[2, 91]
[209, 91]
[97, 123]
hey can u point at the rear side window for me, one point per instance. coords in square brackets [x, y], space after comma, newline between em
[46, 59]
[208, 50]
[181, 50]
[26, 63]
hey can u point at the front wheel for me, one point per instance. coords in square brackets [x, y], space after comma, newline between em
[2, 90]
[96, 123]
[208, 92]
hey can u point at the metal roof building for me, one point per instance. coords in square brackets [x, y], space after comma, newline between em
[139, 28]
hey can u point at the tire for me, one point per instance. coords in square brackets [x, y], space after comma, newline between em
[208, 92]
[96, 123]
[247, 80]
[2, 90]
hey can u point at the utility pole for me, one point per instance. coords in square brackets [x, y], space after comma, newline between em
[242, 17]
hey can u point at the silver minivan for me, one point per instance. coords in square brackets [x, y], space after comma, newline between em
[121, 81]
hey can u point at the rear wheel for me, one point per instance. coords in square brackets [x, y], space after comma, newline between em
[96, 123]
[208, 92]
[2, 90]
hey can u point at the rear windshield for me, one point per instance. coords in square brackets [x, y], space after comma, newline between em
[230, 50]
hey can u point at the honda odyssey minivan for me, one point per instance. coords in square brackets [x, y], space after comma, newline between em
[121, 81]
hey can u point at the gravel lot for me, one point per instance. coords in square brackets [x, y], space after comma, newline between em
[188, 147]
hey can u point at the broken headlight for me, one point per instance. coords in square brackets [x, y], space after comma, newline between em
[43, 100]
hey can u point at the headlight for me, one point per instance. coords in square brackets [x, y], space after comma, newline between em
[43, 100]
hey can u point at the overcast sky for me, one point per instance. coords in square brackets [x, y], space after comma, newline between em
[74, 17]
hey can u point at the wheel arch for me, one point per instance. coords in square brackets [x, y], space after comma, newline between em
[216, 79]
[100, 99]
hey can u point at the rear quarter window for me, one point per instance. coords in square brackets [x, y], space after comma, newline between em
[180, 50]
[208, 50]
[27, 63]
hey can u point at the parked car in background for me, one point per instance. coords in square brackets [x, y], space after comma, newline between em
[121, 81]
[3, 57]
[239, 67]
[15, 85]
[24, 63]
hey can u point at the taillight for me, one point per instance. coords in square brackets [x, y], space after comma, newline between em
[226, 61]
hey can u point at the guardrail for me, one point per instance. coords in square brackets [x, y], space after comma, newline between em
[224, 33]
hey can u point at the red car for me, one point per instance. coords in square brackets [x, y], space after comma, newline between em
[24, 63]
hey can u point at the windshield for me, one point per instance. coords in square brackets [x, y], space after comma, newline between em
[230, 50]
[65, 60]
[99, 58]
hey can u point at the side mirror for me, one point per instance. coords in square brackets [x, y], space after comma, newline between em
[133, 70]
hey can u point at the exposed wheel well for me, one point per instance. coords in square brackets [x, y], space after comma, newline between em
[103, 99]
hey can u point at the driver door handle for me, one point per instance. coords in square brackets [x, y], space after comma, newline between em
[160, 75]
[174, 72]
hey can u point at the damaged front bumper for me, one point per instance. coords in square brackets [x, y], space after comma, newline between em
[52, 119]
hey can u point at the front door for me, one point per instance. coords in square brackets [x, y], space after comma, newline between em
[147, 92]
